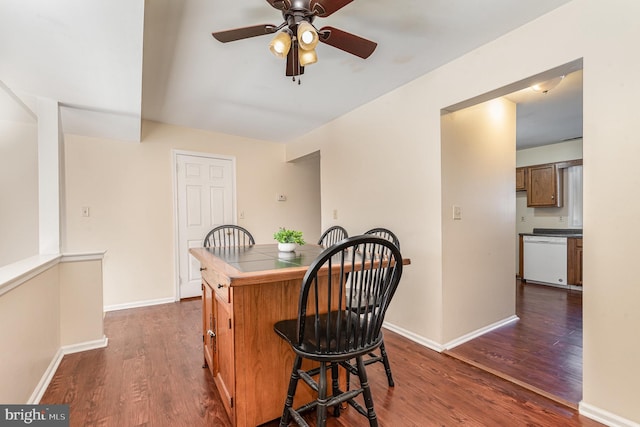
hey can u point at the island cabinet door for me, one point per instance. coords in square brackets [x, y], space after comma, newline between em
[225, 374]
[209, 328]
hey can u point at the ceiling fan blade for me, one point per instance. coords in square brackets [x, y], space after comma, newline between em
[280, 4]
[324, 8]
[348, 42]
[244, 33]
[293, 66]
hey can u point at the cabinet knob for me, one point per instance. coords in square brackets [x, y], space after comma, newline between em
[211, 333]
[203, 268]
[220, 286]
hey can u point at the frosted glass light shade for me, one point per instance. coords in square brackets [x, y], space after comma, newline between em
[280, 44]
[546, 86]
[307, 36]
[307, 57]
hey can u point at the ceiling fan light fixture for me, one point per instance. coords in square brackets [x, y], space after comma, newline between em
[280, 44]
[546, 86]
[307, 36]
[307, 57]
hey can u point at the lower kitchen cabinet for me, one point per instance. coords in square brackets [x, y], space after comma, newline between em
[574, 261]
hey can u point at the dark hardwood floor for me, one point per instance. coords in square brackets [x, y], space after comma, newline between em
[542, 351]
[151, 375]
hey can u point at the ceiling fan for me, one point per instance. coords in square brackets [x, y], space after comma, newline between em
[298, 38]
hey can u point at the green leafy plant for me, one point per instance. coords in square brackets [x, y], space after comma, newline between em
[289, 236]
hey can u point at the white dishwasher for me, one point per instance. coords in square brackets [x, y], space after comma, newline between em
[545, 259]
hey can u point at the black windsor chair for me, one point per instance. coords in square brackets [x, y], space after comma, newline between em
[331, 330]
[372, 356]
[332, 235]
[228, 235]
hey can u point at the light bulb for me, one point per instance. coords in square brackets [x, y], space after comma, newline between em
[307, 36]
[280, 44]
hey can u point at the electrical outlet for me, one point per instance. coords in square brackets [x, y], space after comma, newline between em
[523, 219]
[281, 197]
[85, 211]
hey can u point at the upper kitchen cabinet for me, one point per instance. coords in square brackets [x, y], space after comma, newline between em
[521, 179]
[544, 186]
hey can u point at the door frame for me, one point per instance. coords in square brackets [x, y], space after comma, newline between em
[176, 226]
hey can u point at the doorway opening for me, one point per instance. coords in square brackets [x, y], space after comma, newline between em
[500, 351]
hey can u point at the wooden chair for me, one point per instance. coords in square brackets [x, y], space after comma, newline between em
[228, 235]
[332, 235]
[372, 356]
[331, 330]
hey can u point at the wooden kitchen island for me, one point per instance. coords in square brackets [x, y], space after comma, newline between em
[246, 290]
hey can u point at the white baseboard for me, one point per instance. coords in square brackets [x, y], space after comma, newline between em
[84, 346]
[35, 397]
[451, 344]
[604, 417]
[478, 332]
[414, 337]
[138, 304]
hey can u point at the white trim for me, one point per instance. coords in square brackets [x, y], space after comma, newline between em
[176, 225]
[478, 332]
[46, 378]
[88, 256]
[451, 344]
[604, 417]
[49, 152]
[44, 382]
[15, 274]
[138, 304]
[84, 346]
[414, 337]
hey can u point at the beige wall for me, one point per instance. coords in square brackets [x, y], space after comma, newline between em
[59, 310]
[611, 150]
[128, 188]
[478, 159]
[30, 334]
[18, 190]
[81, 315]
[396, 138]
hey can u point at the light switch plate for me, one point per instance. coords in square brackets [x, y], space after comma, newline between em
[457, 212]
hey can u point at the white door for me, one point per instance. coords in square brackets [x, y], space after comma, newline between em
[205, 199]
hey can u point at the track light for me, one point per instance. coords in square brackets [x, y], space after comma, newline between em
[280, 44]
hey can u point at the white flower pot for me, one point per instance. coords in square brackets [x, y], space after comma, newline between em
[286, 247]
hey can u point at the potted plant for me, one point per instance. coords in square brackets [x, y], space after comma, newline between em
[288, 239]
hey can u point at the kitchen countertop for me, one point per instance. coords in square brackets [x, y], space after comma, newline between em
[556, 232]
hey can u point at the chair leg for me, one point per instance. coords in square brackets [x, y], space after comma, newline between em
[366, 393]
[293, 384]
[387, 367]
[321, 409]
[335, 389]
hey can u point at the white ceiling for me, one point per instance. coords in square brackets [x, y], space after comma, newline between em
[111, 63]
